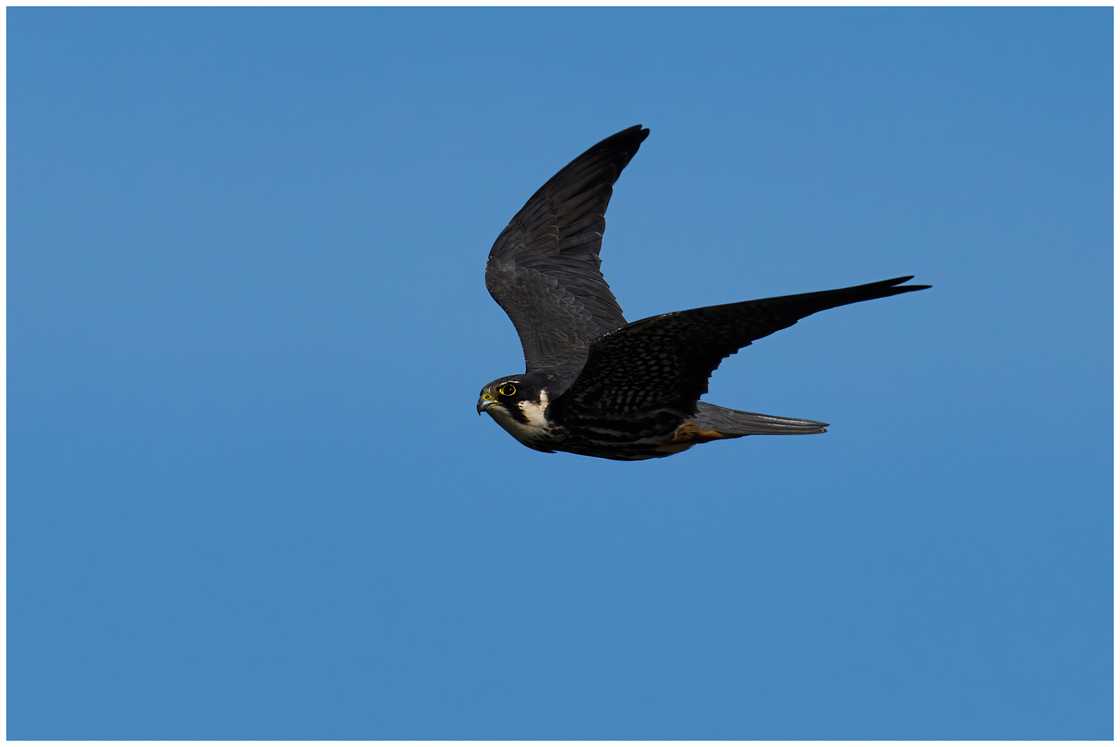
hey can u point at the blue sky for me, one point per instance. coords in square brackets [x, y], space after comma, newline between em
[249, 495]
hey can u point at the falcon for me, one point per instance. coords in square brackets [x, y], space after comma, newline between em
[595, 384]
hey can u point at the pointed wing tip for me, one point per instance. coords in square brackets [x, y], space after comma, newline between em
[914, 287]
[638, 133]
[900, 280]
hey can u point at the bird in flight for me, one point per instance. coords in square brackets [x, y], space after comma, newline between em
[595, 384]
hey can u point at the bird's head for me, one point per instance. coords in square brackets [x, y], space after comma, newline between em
[504, 393]
[521, 398]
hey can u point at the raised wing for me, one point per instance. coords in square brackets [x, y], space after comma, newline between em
[544, 267]
[662, 363]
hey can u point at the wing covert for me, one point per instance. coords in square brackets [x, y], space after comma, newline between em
[663, 362]
[543, 269]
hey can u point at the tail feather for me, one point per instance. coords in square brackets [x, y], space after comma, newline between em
[736, 423]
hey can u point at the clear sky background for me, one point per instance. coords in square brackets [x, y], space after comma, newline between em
[249, 493]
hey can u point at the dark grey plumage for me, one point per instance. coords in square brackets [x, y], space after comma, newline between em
[544, 267]
[665, 361]
[594, 384]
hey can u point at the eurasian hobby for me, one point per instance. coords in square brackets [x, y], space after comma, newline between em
[595, 384]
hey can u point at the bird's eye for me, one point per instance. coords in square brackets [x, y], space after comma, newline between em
[507, 390]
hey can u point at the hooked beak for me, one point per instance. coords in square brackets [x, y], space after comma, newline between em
[486, 400]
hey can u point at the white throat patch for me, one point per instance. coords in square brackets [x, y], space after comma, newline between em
[534, 412]
[535, 433]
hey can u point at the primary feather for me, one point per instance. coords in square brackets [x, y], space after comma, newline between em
[543, 270]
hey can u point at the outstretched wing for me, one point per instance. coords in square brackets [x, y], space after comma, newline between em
[544, 267]
[663, 362]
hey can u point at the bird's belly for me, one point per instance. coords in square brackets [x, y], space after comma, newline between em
[654, 436]
[629, 452]
[658, 435]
